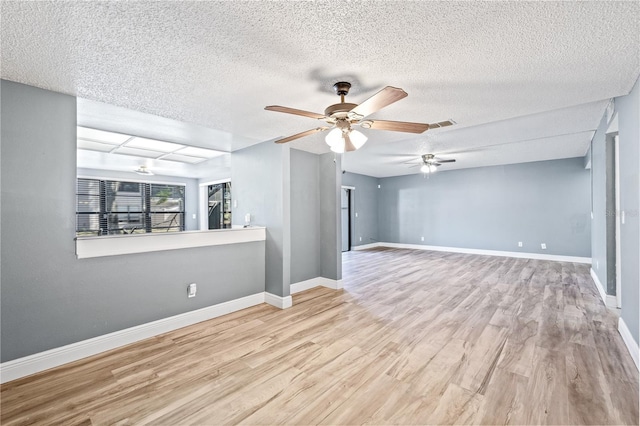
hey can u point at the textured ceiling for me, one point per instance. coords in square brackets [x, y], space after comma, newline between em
[531, 79]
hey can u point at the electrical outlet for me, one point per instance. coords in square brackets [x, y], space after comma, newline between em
[421, 238]
[543, 246]
[356, 214]
[622, 217]
[378, 186]
[191, 290]
[597, 265]
[360, 238]
[519, 243]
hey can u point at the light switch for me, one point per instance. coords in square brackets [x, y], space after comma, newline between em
[191, 290]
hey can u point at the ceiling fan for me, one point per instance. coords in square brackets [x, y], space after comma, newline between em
[343, 117]
[430, 163]
[142, 170]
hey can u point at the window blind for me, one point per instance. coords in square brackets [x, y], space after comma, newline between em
[108, 207]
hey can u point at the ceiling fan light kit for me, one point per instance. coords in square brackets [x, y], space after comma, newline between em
[430, 163]
[428, 168]
[340, 141]
[342, 117]
[142, 170]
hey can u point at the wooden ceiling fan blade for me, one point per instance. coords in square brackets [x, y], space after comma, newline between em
[384, 97]
[301, 135]
[399, 126]
[442, 124]
[278, 108]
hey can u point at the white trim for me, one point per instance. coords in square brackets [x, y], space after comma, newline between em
[35, 363]
[213, 182]
[315, 282]
[278, 301]
[631, 343]
[142, 243]
[616, 147]
[608, 300]
[332, 284]
[523, 255]
[133, 179]
[353, 188]
[366, 246]
[305, 285]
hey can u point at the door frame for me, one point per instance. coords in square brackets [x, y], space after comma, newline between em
[616, 154]
[350, 191]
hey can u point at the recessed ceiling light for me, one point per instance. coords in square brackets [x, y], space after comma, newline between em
[153, 145]
[101, 136]
[199, 152]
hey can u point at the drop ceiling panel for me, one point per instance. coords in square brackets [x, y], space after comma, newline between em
[183, 158]
[124, 150]
[153, 145]
[101, 136]
[95, 146]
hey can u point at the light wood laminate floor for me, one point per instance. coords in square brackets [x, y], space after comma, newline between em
[415, 337]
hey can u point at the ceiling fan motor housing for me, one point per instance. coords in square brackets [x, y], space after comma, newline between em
[342, 88]
[339, 110]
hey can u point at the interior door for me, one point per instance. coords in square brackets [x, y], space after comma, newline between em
[345, 198]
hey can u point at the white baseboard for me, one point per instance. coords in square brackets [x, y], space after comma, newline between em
[610, 301]
[365, 246]
[315, 282]
[305, 285]
[518, 254]
[278, 301]
[35, 363]
[631, 343]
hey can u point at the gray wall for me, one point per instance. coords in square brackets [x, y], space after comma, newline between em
[599, 201]
[305, 216]
[364, 228]
[191, 189]
[330, 227]
[261, 187]
[628, 108]
[492, 208]
[50, 298]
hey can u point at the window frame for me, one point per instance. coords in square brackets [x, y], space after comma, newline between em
[147, 212]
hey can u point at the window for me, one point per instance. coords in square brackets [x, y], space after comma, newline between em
[107, 207]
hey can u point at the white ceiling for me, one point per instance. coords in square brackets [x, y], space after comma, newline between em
[529, 79]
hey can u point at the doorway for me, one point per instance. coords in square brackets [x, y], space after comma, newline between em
[345, 217]
[618, 213]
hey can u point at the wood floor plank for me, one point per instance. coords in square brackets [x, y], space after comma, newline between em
[415, 337]
[505, 400]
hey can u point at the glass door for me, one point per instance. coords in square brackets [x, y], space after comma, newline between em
[219, 205]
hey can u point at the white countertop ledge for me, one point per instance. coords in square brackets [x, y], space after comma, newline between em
[113, 245]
